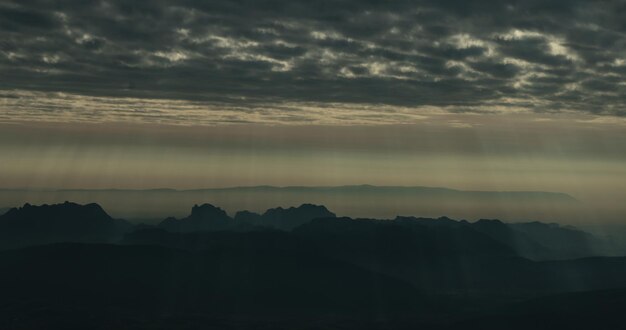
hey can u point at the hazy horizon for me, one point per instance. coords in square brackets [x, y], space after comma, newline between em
[518, 96]
[361, 201]
[579, 159]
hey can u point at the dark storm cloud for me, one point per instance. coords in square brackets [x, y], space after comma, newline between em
[540, 55]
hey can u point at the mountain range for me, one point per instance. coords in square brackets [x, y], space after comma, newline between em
[67, 265]
[71, 222]
[153, 205]
[67, 222]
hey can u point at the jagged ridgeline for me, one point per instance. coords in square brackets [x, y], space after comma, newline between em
[293, 265]
[71, 222]
[356, 201]
[67, 222]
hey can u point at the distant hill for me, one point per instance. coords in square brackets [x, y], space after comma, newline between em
[533, 240]
[207, 217]
[400, 190]
[364, 188]
[354, 201]
[202, 218]
[566, 242]
[286, 219]
[67, 222]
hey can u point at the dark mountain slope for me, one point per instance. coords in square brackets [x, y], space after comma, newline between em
[262, 241]
[285, 219]
[207, 217]
[533, 240]
[564, 242]
[67, 222]
[451, 257]
[128, 283]
[4, 210]
[202, 218]
[579, 310]
[210, 271]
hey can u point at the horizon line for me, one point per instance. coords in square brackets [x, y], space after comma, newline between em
[278, 187]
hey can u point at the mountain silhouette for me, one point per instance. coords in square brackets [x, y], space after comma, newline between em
[564, 242]
[203, 217]
[440, 256]
[533, 240]
[443, 256]
[248, 217]
[522, 243]
[71, 222]
[362, 200]
[67, 222]
[298, 267]
[207, 217]
[4, 210]
[285, 219]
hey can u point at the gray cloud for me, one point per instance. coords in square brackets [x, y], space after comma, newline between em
[539, 55]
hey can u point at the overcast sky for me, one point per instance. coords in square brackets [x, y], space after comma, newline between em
[258, 56]
[491, 95]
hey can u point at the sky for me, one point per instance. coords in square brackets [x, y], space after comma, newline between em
[473, 95]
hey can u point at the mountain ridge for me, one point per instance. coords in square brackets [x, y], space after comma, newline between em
[362, 187]
[31, 225]
[89, 222]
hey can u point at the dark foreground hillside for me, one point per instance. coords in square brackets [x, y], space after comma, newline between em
[259, 271]
[78, 286]
[126, 286]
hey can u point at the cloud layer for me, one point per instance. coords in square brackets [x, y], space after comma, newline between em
[543, 56]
